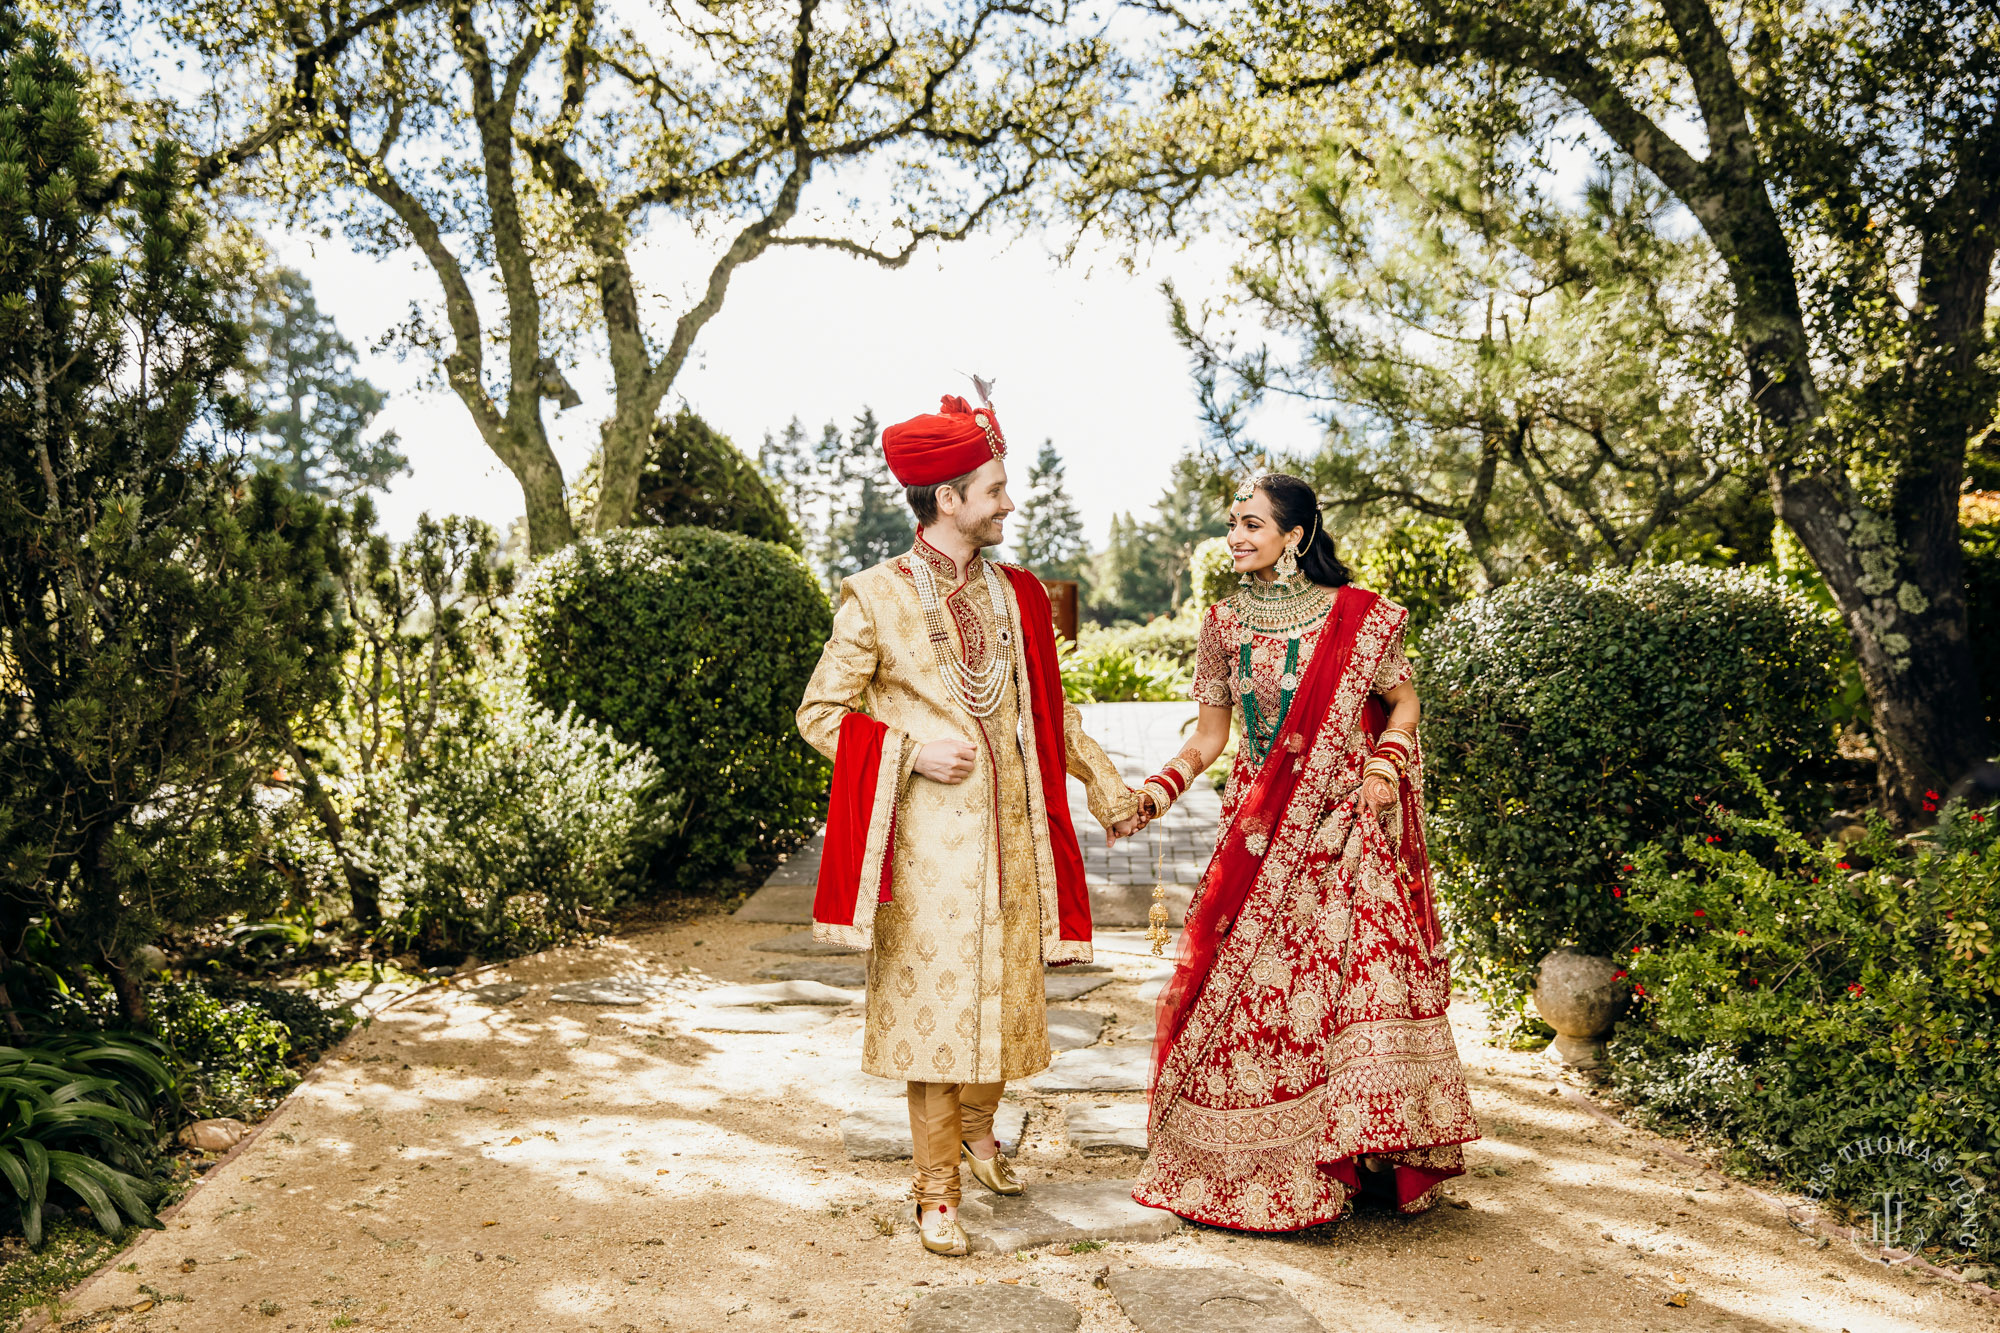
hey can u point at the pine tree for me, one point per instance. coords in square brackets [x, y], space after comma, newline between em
[313, 408]
[875, 522]
[162, 621]
[1051, 530]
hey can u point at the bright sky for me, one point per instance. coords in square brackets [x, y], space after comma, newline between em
[1079, 353]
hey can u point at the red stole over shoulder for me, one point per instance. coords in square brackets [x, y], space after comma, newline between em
[859, 784]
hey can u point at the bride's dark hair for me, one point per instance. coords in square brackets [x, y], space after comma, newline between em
[1294, 505]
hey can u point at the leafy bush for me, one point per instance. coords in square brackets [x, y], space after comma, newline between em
[522, 826]
[1106, 673]
[1799, 1000]
[236, 1053]
[697, 645]
[1419, 565]
[1569, 720]
[76, 1112]
[695, 477]
[1212, 574]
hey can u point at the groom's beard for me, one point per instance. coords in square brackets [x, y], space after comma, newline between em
[987, 535]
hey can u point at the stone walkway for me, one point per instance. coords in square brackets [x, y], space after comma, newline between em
[645, 1135]
[1172, 851]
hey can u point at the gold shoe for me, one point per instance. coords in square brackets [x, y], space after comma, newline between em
[940, 1233]
[992, 1172]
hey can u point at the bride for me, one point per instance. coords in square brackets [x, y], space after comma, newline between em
[1302, 1053]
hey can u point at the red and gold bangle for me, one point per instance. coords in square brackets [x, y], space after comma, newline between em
[1165, 787]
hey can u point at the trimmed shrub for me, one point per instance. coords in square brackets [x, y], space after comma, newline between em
[695, 477]
[1831, 1014]
[1570, 720]
[697, 645]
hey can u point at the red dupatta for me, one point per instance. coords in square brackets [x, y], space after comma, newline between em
[1277, 813]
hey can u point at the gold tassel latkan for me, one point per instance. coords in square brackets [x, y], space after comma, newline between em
[1156, 929]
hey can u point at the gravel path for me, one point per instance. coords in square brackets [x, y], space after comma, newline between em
[466, 1162]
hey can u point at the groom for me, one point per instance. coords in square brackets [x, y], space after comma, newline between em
[949, 850]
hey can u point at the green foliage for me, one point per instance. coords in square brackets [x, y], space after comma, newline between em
[1213, 573]
[1049, 529]
[1153, 662]
[1811, 1003]
[520, 831]
[695, 478]
[840, 491]
[160, 620]
[1419, 566]
[697, 645]
[1571, 719]
[237, 1054]
[313, 409]
[1143, 571]
[427, 627]
[1105, 674]
[1981, 544]
[76, 1111]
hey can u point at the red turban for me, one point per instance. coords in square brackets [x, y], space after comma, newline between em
[926, 450]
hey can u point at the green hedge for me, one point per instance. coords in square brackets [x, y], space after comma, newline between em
[1832, 1014]
[697, 645]
[1570, 720]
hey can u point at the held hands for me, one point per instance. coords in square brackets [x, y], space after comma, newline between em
[947, 761]
[1133, 822]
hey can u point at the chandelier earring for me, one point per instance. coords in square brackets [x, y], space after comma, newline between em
[1287, 568]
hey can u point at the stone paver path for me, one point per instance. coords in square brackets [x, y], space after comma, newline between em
[489, 1160]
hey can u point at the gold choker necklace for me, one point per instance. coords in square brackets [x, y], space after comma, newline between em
[1281, 606]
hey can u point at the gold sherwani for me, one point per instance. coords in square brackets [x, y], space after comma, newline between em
[955, 969]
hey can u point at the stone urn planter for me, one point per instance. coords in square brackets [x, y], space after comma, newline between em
[1576, 994]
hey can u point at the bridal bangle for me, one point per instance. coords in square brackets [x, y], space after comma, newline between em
[1167, 785]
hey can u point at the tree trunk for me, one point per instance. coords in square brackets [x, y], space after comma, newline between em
[1901, 592]
[364, 889]
[542, 488]
[131, 1000]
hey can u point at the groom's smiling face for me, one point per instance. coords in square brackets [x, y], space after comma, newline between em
[981, 512]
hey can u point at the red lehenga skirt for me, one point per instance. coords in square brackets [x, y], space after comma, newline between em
[1305, 1024]
[1320, 1036]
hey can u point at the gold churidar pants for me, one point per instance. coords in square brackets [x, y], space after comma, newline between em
[941, 1115]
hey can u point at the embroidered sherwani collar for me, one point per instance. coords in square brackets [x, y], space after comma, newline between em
[943, 567]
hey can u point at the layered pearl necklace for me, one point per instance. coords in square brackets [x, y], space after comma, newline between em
[977, 692]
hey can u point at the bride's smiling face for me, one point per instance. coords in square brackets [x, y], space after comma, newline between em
[1255, 539]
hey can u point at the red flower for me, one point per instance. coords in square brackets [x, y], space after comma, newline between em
[1932, 796]
[1638, 990]
[1855, 988]
[1978, 819]
[1699, 799]
[1699, 912]
[1635, 948]
[1617, 892]
[1713, 839]
[1741, 931]
[1628, 869]
[1930, 805]
[1842, 865]
[1619, 975]
[1753, 981]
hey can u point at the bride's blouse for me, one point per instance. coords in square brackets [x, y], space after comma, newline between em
[1219, 655]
